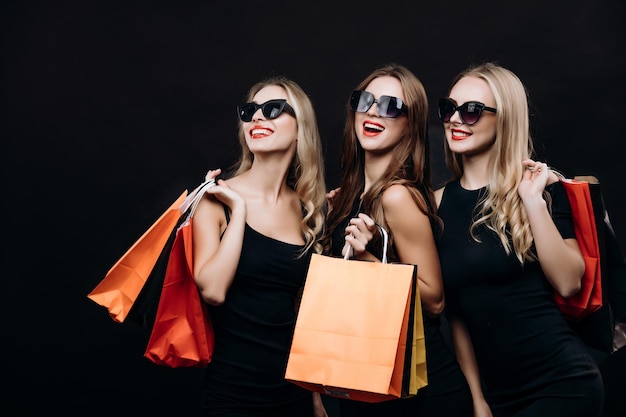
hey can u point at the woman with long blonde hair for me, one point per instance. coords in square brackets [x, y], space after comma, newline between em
[253, 236]
[507, 244]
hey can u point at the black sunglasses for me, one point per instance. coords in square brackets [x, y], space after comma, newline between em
[469, 112]
[388, 106]
[271, 109]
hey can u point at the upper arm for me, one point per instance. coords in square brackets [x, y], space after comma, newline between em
[414, 243]
[209, 222]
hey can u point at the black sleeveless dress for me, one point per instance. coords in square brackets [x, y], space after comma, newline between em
[253, 332]
[447, 393]
[531, 362]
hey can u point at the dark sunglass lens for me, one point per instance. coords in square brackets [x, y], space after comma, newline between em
[389, 106]
[470, 113]
[246, 111]
[446, 109]
[361, 101]
[354, 100]
[272, 109]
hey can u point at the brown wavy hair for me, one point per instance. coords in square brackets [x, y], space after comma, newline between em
[410, 165]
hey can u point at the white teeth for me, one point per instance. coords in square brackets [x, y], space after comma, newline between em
[373, 127]
[261, 132]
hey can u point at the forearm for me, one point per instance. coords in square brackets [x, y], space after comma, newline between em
[467, 359]
[318, 406]
[560, 260]
[215, 275]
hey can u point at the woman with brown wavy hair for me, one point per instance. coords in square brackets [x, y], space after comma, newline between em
[386, 181]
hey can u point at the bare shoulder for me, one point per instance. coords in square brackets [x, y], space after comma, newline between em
[396, 195]
[399, 202]
[209, 209]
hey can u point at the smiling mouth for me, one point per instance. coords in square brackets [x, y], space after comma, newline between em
[372, 128]
[260, 133]
[460, 135]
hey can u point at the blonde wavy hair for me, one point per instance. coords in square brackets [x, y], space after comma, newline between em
[501, 209]
[306, 174]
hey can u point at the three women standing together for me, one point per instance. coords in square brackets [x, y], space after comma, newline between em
[497, 240]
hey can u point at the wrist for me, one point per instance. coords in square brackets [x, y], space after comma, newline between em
[534, 203]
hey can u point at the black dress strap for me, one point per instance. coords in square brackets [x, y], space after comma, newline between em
[226, 213]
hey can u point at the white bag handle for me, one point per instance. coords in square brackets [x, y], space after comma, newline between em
[192, 201]
[194, 197]
[385, 243]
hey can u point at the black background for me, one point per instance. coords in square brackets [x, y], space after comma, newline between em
[112, 108]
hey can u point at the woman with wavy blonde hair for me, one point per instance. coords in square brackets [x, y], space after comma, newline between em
[507, 244]
[253, 236]
[306, 171]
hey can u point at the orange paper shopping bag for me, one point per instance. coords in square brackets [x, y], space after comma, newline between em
[121, 285]
[354, 327]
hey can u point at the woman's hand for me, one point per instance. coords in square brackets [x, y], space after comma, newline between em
[222, 192]
[560, 259]
[534, 179]
[481, 409]
[358, 234]
[330, 197]
[212, 174]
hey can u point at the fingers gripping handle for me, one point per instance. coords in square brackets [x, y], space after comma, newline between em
[385, 235]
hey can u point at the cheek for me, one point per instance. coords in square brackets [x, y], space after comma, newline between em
[399, 129]
[287, 125]
[359, 118]
[487, 130]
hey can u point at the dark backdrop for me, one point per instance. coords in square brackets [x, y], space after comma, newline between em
[112, 108]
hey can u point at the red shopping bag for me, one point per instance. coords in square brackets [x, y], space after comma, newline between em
[182, 335]
[589, 298]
